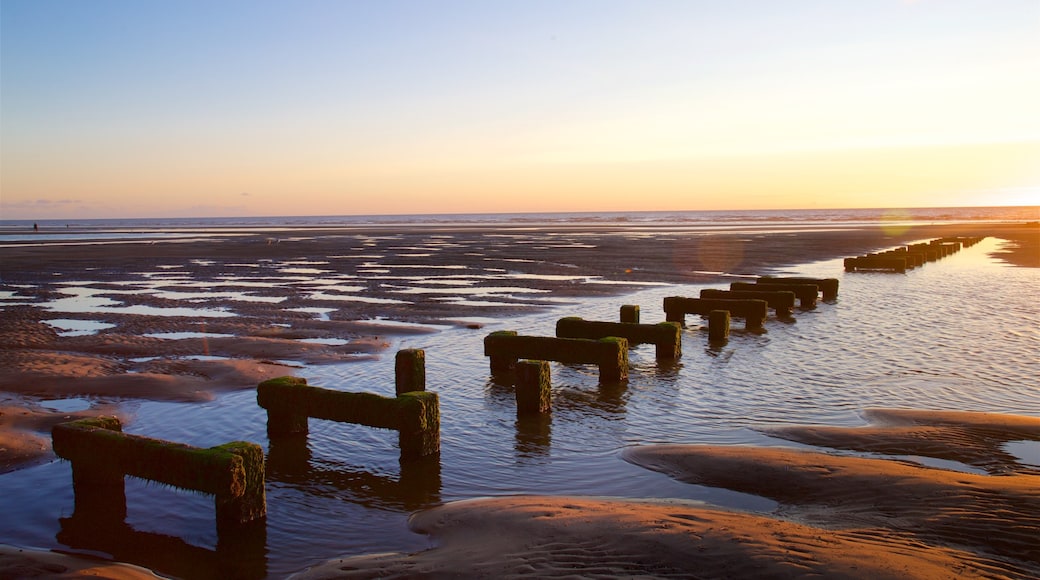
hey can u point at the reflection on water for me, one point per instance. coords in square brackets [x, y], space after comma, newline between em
[98, 524]
[957, 334]
[1026, 452]
[417, 483]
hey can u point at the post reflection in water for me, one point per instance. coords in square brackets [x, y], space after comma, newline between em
[417, 486]
[98, 524]
[533, 435]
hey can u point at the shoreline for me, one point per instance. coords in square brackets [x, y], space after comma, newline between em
[93, 365]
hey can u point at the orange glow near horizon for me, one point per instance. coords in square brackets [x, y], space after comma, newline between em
[982, 175]
[371, 109]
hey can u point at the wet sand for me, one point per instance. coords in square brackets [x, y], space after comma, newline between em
[842, 516]
[40, 364]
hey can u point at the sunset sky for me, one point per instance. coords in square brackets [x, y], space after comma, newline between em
[248, 107]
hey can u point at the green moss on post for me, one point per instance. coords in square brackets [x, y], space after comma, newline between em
[101, 454]
[611, 355]
[614, 366]
[499, 363]
[283, 416]
[420, 424]
[753, 311]
[666, 336]
[533, 383]
[410, 371]
[630, 313]
[247, 500]
[718, 325]
[415, 414]
[672, 347]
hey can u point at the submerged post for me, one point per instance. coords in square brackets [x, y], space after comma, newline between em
[828, 286]
[718, 325]
[753, 311]
[533, 383]
[666, 336]
[505, 348]
[409, 371]
[101, 455]
[415, 415]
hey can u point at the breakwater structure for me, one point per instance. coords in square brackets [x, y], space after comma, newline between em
[911, 256]
[828, 286]
[753, 311]
[805, 293]
[665, 336]
[102, 455]
[533, 387]
[290, 402]
[781, 301]
[506, 347]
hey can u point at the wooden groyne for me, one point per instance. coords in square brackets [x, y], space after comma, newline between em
[781, 301]
[718, 326]
[828, 286]
[806, 293]
[911, 256]
[102, 455]
[666, 336]
[415, 415]
[533, 387]
[506, 347]
[876, 263]
[753, 311]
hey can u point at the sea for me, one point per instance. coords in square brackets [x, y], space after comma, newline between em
[962, 333]
[96, 230]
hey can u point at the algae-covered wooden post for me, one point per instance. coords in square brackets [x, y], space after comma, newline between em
[753, 311]
[283, 416]
[533, 383]
[806, 293]
[630, 313]
[410, 371]
[414, 415]
[718, 325]
[781, 301]
[828, 286]
[419, 426]
[101, 455]
[506, 347]
[502, 361]
[666, 336]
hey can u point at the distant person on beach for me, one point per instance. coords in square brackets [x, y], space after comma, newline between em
[36, 227]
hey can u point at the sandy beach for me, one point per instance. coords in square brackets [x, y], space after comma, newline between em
[844, 516]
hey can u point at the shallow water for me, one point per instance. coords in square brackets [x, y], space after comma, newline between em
[962, 333]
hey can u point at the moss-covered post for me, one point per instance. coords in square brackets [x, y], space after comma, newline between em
[410, 371]
[673, 311]
[98, 485]
[499, 364]
[630, 313]
[284, 417]
[246, 503]
[101, 454]
[419, 428]
[718, 325]
[615, 368]
[672, 348]
[533, 382]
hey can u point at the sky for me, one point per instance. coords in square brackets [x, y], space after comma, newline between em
[185, 108]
